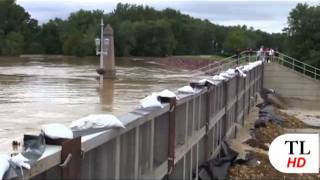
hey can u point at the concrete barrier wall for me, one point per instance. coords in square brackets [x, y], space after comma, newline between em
[291, 84]
[202, 122]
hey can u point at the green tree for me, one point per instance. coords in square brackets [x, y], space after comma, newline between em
[235, 40]
[51, 37]
[153, 38]
[138, 30]
[13, 44]
[79, 45]
[79, 32]
[125, 38]
[303, 33]
[14, 19]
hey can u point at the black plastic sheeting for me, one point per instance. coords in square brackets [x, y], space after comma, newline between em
[33, 148]
[270, 97]
[218, 168]
[266, 112]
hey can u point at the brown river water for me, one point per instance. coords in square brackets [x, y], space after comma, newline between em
[39, 91]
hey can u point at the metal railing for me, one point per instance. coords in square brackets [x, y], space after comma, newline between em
[223, 64]
[297, 65]
[247, 56]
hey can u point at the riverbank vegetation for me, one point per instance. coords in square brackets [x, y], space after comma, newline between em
[144, 31]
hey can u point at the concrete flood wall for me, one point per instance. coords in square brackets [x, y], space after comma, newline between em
[202, 121]
[291, 84]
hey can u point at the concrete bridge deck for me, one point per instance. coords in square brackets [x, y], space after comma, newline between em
[291, 84]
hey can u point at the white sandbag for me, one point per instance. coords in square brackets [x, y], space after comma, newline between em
[251, 65]
[151, 101]
[57, 131]
[20, 161]
[186, 89]
[4, 164]
[167, 93]
[218, 78]
[107, 121]
[204, 81]
[241, 73]
[231, 72]
[225, 75]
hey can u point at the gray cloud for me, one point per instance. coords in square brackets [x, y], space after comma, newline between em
[267, 15]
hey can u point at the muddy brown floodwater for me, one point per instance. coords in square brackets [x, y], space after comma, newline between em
[40, 90]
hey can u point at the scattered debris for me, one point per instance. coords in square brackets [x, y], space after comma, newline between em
[264, 170]
[272, 122]
[218, 167]
[290, 121]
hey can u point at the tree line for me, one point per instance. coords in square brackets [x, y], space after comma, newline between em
[144, 31]
[303, 34]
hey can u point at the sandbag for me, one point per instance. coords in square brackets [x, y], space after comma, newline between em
[20, 161]
[206, 81]
[240, 72]
[218, 78]
[107, 121]
[33, 148]
[167, 93]
[57, 131]
[4, 164]
[186, 90]
[151, 101]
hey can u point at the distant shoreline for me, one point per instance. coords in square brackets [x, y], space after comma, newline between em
[187, 62]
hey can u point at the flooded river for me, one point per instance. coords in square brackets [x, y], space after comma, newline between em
[39, 91]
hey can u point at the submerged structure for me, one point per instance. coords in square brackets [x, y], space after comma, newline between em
[105, 48]
[109, 64]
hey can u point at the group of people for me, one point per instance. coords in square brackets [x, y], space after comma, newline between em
[265, 54]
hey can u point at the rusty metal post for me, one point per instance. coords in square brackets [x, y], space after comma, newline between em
[208, 149]
[225, 120]
[237, 96]
[71, 157]
[244, 100]
[262, 76]
[249, 92]
[172, 135]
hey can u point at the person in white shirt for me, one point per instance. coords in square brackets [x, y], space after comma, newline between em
[271, 54]
[260, 54]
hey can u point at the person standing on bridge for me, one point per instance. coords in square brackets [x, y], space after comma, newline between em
[271, 54]
[260, 54]
[267, 55]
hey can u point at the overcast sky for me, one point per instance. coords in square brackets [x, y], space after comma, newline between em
[267, 15]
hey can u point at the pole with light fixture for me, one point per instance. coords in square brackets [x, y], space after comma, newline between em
[101, 49]
[105, 48]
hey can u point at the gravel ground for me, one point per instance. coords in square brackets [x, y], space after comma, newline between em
[259, 149]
